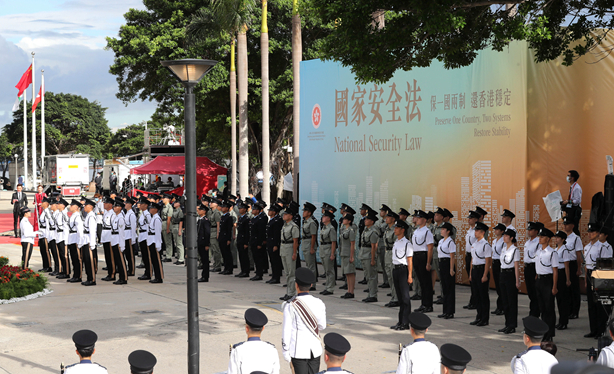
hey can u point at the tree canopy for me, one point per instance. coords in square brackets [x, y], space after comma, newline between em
[127, 141]
[417, 32]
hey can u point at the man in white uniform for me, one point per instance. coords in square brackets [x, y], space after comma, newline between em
[576, 250]
[454, 359]
[304, 317]
[420, 357]
[606, 357]
[85, 341]
[254, 354]
[335, 349]
[534, 360]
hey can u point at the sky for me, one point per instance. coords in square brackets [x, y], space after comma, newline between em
[68, 38]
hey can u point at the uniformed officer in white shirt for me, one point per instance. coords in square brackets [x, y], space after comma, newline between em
[142, 362]
[143, 232]
[421, 357]
[606, 357]
[506, 218]
[118, 242]
[531, 246]
[576, 250]
[546, 267]
[454, 359]
[130, 236]
[85, 341]
[534, 360]
[422, 241]
[335, 349]
[27, 236]
[470, 239]
[75, 230]
[61, 221]
[402, 269]
[447, 269]
[304, 318]
[497, 246]
[562, 296]
[105, 238]
[254, 354]
[481, 259]
[510, 281]
[88, 242]
[154, 243]
[572, 206]
[43, 232]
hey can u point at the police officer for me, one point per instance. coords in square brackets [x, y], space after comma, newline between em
[510, 281]
[105, 238]
[154, 243]
[214, 216]
[447, 216]
[327, 207]
[546, 267]
[421, 356]
[130, 235]
[61, 221]
[389, 239]
[454, 359]
[470, 239]
[562, 297]
[296, 218]
[437, 222]
[85, 342]
[382, 227]
[75, 229]
[273, 242]
[51, 235]
[309, 233]
[447, 269]
[177, 221]
[224, 237]
[43, 232]
[497, 246]
[531, 247]
[481, 260]
[534, 360]
[506, 218]
[257, 239]
[88, 242]
[142, 362]
[347, 252]
[402, 263]
[243, 239]
[203, 237]
[335, 349]
[143, 232]
[576, 250]
[254, 354]
[27, 236]
[368, 255]
[345, 210]
[328, 245]
[118, 242]
[364, 209]
[167, 236]
[289, 250]
[422, 241]
[592, 251]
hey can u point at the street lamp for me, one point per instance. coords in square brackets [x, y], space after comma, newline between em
[190, 72]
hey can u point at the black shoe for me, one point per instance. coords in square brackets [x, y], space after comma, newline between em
[178, 263]
[502, 330]
[573, 316]
[105, 268]
[155, 280]
[384, 285]
[395, 326]
[144, 278]
[312, 289]
[590, 335]
[221, 271]
[322, 275]
[348, 296]
[63, 276]
[438, 302]
[442, 316]
[285, 298]
[402, 327]
[244, 275]
[389, 294]
[500, 313]
[428, 309]
[475, 322]
[269, 281]
[89, 283]
[167, 260]
[203, 280]
[482, 323]
[365, 290]
[419, 310]
[326, 292]
[41, 270]
[393, 304]
[108, 278]
[562, 327]
[226, 272]
[141, 266]
[449, 316]
[47, 270]
[415, 297]
[239, 275]
[256, 278]
[510, 330]
[215, 270]
[470, 307]
[370, 300]
[275, 281]
[53, 273]
[344, 287]
[74, 280]
[120, 282]
[466, 306]
[364, 281]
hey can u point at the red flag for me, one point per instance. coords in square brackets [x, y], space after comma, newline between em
[38, 99]
[25, 81]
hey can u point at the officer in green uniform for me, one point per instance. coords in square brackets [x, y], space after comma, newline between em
[347, 244]
[165, 216]
[437, 223]
[288, 251]
[381, 226]
[368, 255]
[309, 244]
[328, 244]
[215, 216]
[389, 239]
[234, 213]
[177, 222]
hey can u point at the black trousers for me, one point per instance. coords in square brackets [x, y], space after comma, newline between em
[276, 265]
[306, 365]
[77, 264]
[226, 255]
[545, 298]
[129, 257]
[53, 248]
[99, 231]
[119, 262]
[45, 254]
[64, 258]
[204, 258]
[509, 296]
[26, 254]
[145, 258]
[156, 262]
[88, 261]
[472, 299]
[529, 282]
[574, 289]
[496, 271]
[109, 259]
[260, 258]
[597, 315]
[16, 224]
[424, 277]
[480, 290]
[242, 252]
[399, 277]
[563, 299]
[448, 286]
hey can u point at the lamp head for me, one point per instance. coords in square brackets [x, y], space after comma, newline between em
[189, 71]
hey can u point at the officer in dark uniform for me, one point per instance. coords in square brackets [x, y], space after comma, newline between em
[142, 362]
[225, 237]
[257, 239]
[273, 242]
[203, 240]
[243, 239]
[364, 210]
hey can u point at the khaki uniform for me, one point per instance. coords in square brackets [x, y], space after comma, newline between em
[233, 242]
[347, 236]
[328, 235]
[389, 240]
[215, 216]
[310, 228]
[175, 220]
[289, 232]
[436, 230]
[381, 226]
[369, 236]
[167, 211]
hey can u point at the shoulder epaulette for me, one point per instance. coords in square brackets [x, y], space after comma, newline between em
[270, 344]
[236, 345]
[521, 354]
[69, 366]
[100, 365]
[322, 372]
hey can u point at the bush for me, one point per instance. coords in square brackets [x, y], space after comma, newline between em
[3, 261]
[15, 282]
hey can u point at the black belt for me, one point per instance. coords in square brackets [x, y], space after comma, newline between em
[151, 233]
[400, 266]
[507, 270]
[287, 242]
[527, 264]
[142, 231]
[544, 276]
[365, 246]
[479, 266]
[325, 243]
[52, 228]
[307, 237]
[43, 227]
[444, 259]
[60, 230]
[86, 232]
[562, 268]
[114, 233]
[127, 228]
[72, 232]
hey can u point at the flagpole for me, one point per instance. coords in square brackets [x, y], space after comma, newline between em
[25, 140]
[33, 127]
[42, 122]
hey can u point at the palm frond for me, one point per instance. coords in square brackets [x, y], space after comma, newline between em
[233, 15]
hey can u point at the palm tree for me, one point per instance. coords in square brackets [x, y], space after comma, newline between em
[297, 56]
[233, 117]
[264, 50]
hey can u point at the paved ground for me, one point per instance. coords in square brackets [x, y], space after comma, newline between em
[35, 336]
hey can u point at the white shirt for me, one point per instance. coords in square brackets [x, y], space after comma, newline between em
[546, 260]
[43, 224]
[530, 250]
[606, 357]
[143, 225]
[51, 229]
[510, 227]
[480, 251]
[89, 230]
[105, 237]
[533, 361]
[27, 231]
[130, 228]
[497, 247]
[509, 256]
[563, 254]
[297, 340]
[85, 368]
[591, 253]
[420, 357]
[421, 239]
[75, 223]
[446, 247]
[606, 250]
[576, 194]
[61, 229]
[574, 244]
[117, 231]
[470, 239]
[154, 232]
[99, 212]
[401, 250]
[253, 355]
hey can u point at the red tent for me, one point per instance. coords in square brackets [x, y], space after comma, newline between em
[206, 170]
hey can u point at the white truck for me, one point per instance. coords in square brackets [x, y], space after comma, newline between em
[121, 167]
[68, 174]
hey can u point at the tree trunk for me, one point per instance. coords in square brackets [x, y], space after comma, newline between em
[297, 56]
[243, 142]
[233, 119]
[264, 48]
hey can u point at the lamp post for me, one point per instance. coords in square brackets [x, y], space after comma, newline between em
[190, 72]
